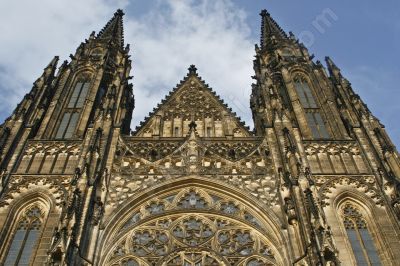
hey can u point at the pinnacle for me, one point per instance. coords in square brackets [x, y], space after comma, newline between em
[330, 62]
[53, 62]
[269, 28]
[114, 30]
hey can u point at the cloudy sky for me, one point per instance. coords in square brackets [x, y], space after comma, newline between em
[218, 36]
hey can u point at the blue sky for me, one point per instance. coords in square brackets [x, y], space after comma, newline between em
[218, 36]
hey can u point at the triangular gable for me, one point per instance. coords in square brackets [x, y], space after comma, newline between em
[192, 100]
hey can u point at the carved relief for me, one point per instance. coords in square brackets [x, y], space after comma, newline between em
[52, 157]
[335, 157]
[53, 186]
[192, 100]
[246, 166]
[329, 186]
[191, 199]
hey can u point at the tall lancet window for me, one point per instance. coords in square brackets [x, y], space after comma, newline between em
[25, 237]
[313, 112]
[73, 108]
[359, 237]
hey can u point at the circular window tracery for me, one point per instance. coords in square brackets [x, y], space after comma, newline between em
[233, 242]
[193, 227]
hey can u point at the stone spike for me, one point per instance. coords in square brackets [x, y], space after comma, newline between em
[114, 29]
[270, 28]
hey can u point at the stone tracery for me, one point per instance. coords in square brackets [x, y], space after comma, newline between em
[214, 230]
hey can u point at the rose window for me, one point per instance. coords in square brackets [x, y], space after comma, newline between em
[191, 228]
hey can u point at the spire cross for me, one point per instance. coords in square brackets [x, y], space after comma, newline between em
[192, 70]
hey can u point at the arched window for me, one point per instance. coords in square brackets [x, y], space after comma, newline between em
[304, 92]
[363, 246]
[72, 111]
[311, 108]
[25, 237]
[317, 125]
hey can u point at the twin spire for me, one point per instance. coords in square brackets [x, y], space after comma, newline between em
[114, 29]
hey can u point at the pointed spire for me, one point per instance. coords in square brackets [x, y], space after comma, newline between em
[334, 71]
[114, 29]
[269, 28]
[51, 67]
[53, 63]
[330, 63]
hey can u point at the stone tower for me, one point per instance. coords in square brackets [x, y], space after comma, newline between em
[315, 183]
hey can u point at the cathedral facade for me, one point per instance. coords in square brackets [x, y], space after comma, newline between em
[315, 183]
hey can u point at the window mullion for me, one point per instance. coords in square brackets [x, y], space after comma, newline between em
[21, 249]
[318, 126]
[79, 94]
[364, 249]
[69, 122]
[303, 86]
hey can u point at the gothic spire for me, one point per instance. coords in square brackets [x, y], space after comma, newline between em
[114, 29]
[332, 68]
[269, 28]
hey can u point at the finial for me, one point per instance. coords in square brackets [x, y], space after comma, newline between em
[264, 12]
[192, 70]
[119, 12]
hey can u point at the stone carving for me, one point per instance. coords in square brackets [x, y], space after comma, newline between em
[191, 199]
[339, 157]
[364, 184]
[54, 186]
[191, 101]
[55, 157]
[191, 238]
[248, 169]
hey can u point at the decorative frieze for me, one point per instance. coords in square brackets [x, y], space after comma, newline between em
[340, 157]
[49, 157]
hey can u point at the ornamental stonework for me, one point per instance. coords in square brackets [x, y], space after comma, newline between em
[316, 182]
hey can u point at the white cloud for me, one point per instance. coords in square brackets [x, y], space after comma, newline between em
[213, 35]
[33, 32]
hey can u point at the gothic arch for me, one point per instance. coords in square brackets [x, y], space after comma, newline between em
[216, 204]
[296, 72]
[305, 74]
[301, 74]
[369, 211]
[85, 71]
[38, 199]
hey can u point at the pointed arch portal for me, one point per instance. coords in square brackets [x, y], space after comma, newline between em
[192, 223]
